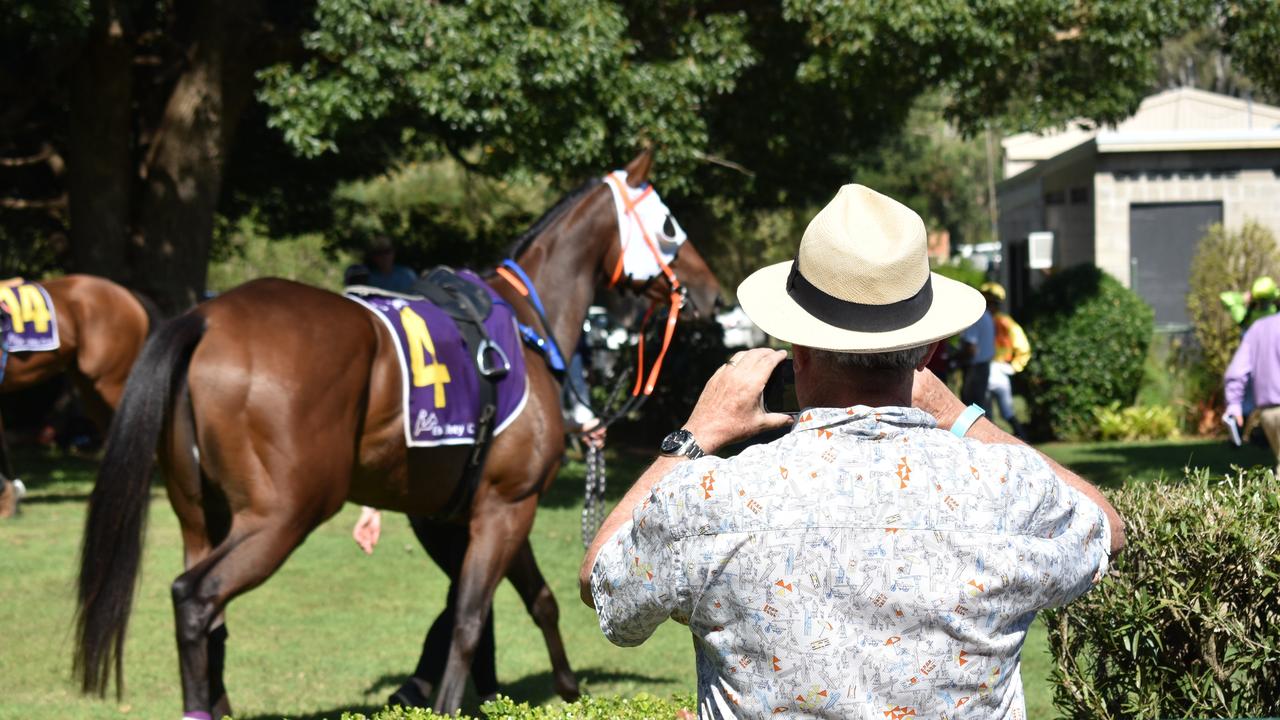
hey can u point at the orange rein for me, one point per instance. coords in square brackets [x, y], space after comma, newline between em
[676, 300]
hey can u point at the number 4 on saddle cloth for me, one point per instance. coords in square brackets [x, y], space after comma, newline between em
[449, 378]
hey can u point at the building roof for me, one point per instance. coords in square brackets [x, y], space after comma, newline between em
[1180, 119]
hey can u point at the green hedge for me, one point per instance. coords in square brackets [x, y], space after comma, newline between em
[642, 706]
[1089, 336]
[1188, 622]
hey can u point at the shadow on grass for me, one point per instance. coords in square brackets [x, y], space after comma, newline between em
[539, 688]
[1110, 464]
[55, 498]
[535, 689]
[331, 714]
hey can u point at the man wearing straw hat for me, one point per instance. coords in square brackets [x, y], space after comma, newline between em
[885, 557]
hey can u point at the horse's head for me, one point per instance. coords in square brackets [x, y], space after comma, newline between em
[653, 256]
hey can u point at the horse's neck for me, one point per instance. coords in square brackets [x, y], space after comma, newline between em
[564, 273]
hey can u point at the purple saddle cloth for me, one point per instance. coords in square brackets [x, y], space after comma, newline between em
[441, 385]
[29, 323]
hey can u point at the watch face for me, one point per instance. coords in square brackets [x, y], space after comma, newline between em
[673, 442]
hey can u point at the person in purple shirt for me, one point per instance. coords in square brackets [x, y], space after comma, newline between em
[1258, 359]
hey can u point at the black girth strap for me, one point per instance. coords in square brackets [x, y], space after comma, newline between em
[469, 305]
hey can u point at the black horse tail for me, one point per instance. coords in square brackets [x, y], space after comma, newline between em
[116, 523]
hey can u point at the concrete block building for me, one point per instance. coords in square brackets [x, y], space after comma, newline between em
[1136, 198]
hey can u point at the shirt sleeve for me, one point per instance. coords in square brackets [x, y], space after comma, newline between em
[1237, 376]
[1021, 346]
[1067, 544]
[637, 581]
[970, 334]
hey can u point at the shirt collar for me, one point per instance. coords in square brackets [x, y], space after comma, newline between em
[864, 420]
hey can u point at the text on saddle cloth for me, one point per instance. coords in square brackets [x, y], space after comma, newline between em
[30, 324]
[438, 369]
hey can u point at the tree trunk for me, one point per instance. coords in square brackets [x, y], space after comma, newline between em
[100, 172]
[183, 170]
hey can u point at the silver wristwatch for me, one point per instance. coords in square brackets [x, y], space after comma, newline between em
[681, 443]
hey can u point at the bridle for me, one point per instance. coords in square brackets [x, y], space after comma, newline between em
[678, 293]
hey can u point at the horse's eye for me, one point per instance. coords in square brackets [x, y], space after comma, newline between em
[669, 227]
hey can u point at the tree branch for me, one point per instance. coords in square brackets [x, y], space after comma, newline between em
[722, 162]
[46, 156]
[58, 203]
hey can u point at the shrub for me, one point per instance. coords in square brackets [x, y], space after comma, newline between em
[1225, 261]
[962, 270]
[591, 707]
[1140, 422]
[1089, 336]
[245, 252]
[1187, 624]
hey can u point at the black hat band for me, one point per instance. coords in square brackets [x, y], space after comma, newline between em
[858, 317]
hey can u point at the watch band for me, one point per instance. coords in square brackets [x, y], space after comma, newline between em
[966, 420]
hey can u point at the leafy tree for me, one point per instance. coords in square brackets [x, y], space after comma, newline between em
[128, 124]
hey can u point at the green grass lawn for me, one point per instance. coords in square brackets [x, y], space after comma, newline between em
[335, 630]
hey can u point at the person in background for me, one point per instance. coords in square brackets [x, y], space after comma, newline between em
[1262, 299]
[1013, 352]
[1257, 361]
[977, 348]
[380, 269]
[1259, 301]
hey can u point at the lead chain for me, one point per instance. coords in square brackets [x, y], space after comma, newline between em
[593, 495]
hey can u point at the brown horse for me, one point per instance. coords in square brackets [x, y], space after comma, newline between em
[101, 329]
[275, 403]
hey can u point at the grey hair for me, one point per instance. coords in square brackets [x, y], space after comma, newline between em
[906, 359]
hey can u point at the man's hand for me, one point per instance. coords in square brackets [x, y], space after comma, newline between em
[729, 408]
[929, 394]
[368, 529]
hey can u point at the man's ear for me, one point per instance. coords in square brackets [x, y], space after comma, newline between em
[933, 350]
[800, 357]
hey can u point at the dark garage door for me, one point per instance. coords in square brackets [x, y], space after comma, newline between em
[1162, 241]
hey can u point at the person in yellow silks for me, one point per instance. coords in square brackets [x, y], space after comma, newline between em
[1013, 352]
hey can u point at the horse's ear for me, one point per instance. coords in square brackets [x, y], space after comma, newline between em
[638, 168]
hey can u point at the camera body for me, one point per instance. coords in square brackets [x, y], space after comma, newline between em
[779, 394]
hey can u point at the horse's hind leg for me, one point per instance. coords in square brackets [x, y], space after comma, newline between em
[541, 604]
[497, 530]
[241, 562]
[205, 518]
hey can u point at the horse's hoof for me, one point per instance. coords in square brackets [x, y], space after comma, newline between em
[221, 708]
[414, 693]
[568, 689]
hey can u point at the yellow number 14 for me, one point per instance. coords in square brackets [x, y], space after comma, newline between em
[420, 349]
[28, 306]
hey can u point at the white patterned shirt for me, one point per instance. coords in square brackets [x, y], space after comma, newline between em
[865, 565]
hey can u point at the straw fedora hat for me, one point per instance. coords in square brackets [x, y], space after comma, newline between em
[860, 282]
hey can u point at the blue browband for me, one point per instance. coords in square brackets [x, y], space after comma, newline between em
[544, 344]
